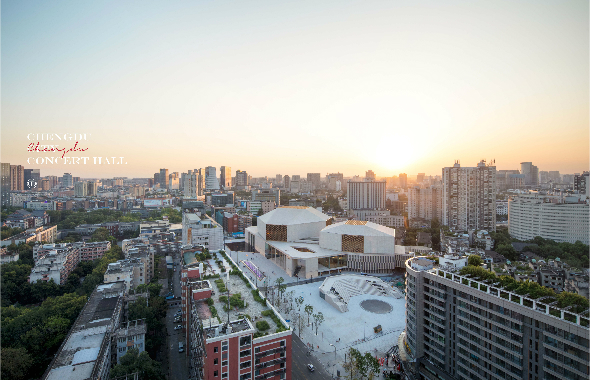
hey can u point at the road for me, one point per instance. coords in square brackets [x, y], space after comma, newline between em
[300, 360]
[178, 363]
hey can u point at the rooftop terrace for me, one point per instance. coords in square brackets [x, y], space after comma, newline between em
[572, 309]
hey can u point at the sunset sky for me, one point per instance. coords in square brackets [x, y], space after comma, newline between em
[300, 86]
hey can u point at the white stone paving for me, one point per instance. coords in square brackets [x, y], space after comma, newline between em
[348, 329]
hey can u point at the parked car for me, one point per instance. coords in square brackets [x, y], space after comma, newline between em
[178, 327]
[310, 367]
[180, 347]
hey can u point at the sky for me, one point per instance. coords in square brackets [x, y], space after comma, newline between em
[295, 87]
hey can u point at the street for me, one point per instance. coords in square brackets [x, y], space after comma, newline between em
[178, 363]
[300, 360]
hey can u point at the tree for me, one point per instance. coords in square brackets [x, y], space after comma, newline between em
[308, 310]
[102, 234]
[280, 288]
[260, 212]
[16, 363]
[366, 366]
[133, 361]
[299, 301]
[318, 319]
[507, 251]
[474, 260]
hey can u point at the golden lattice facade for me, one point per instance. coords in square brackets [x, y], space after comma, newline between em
[356, 222]
[353, 243]
[276, 232]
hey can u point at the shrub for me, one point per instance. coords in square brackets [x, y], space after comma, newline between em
[262, 325]
[210, 301]
[258, 298]
[213, 311]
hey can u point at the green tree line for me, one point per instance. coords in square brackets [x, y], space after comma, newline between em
[37, 317]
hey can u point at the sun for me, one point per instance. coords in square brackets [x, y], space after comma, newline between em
[393, 157]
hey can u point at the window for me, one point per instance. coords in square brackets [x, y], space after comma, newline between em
[257, 350]
[244, 353]
[224, 346]
[216, 361]
[224, 376]
[283, 342]
[245, 340]
[245, 364]
[215, 349]
[215, 373]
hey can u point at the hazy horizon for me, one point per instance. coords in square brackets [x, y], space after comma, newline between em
[289, 88]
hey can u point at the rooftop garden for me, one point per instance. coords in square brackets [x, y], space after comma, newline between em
[572, 302]
[244, 302]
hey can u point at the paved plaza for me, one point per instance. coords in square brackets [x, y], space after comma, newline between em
[351, 329]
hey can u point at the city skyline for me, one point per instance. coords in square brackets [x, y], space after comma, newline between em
[287, 88]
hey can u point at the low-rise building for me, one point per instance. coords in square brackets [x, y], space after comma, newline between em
[90, 251]
[129, 335]
[54, 263]
[201, 230]
[87, 350]
[131, 271]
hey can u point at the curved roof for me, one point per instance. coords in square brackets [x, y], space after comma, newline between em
[290, 215]
[354, 227]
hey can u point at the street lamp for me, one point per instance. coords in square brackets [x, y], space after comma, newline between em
[334, 366]
[364, 332]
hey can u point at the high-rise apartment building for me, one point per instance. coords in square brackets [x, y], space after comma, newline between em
[242, 178]
[314, 179]
[505, 179]
[190, 184]
[425, 203]
[403, 180]
[464, 327]
[80, 189]
[92, 188]
[53, 180]
[32, 179]
[531, 173]
[225, 177]
[469, 197]
[366, 195]
[370, 175]
[581, 183]
[278, 180]
[287, 182]
[17, 177]
[163, 177]
[211, 181]
[295, 177]
[555, 176]
[156, 179]
[420, 177]
[67, 180]
[6, 183]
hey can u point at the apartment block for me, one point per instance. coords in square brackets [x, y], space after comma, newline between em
[201, 230]
[469, 197]
[225, 177]
[550, 217]
[461, 327]
[366, 195]
[425, 203]
[55, 262]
